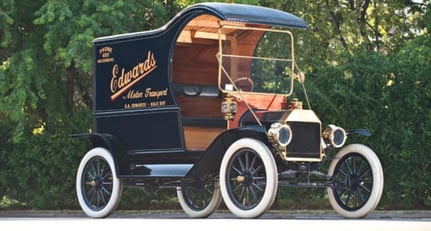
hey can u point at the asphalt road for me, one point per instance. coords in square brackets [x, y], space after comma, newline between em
[221, 220]
[419, 215]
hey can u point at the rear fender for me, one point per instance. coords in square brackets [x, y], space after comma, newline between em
[112, 144]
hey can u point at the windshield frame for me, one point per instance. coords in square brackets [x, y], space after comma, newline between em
[220, 55]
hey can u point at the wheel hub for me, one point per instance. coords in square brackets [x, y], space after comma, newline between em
[96, 183]
[240, 178]
[246, 178]
[353, 181]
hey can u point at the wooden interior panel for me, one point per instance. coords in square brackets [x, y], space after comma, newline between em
[268, 102]
[200, 107]
[199, 138]
[195, 64]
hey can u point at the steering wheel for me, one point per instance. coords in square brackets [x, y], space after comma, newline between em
[244, 83]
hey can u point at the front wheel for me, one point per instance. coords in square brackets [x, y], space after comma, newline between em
[97, 185]
[248, 178]
[357, 181]
[200, 200]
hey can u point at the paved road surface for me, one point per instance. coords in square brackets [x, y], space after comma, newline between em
[221, 221]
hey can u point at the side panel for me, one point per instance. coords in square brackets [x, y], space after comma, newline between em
[133, 100]
[132, 73]
[143, 130]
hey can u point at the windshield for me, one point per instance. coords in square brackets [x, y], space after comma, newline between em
[254, 59]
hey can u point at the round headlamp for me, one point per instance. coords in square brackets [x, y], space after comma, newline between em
[335, 136]
[281, 134]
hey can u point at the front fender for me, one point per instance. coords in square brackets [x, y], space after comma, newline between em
[364, 132]
[209, 163]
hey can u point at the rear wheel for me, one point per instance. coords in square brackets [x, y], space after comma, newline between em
[357, 181]
[97, 185]
[201, 200]
[248, 178]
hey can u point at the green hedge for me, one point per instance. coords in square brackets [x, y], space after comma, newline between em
[388, 94]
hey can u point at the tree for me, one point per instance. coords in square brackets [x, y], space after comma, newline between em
[337, 26]
[46, 85]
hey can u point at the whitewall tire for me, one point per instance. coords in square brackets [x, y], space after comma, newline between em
[200, 201]
[248, 178]
[357, 181]
[97, 185]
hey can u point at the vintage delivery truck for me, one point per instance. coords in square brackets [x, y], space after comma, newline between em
[207, 105]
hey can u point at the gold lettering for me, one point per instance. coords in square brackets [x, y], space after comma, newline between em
[149, 93]
[120, 84]
[105, 50]
[105, 54]
[114, 78]
[157, 103]
[138, 105]
[134, 94]
[105, 60]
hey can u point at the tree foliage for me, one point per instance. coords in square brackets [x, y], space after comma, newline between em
[367, 64]
[46, 91]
